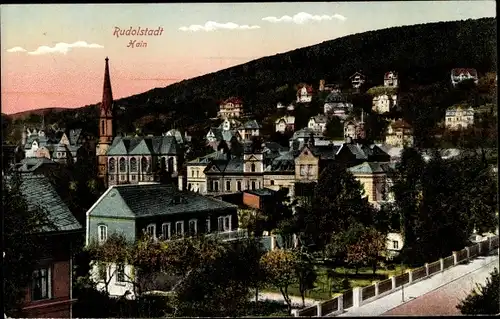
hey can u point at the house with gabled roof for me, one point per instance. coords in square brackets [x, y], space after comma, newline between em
[391, 79]
[143, 159]
[357, 79]
[160, 210]
[285, 123]
[352, 154]
[280, 172]
[336, 104]
[461, 74]
[304, 93]
[399, 134]
[230, 108]
[196, 179]
[459, 117]
[318, 123]
[50, 292]
[249, 129]
[375, 177]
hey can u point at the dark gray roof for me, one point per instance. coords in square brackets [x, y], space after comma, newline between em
[261, 192]
[135, 201]
[250, 125]
[225, 135]
[372, 168]
[335, 97]
[147, 145]
[283, 163]
[74, 135]
[31, 164]
[202, 160]
[39, 192]
[221, 163]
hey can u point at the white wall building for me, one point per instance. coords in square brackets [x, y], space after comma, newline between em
[457, 118]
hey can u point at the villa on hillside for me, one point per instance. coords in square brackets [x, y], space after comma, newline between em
[459, 117]
[249, 129]
[461, 74]
[318, 123]
[231, 108]
[285, 123]
[399, 134]
[336, 104]
[357, 79]
[304, 94]
[391, 79]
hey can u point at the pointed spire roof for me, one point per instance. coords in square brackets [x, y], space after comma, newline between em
[107, 94]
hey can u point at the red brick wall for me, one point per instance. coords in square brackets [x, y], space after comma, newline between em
[251, 200]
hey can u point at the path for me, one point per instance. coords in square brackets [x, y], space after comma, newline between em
[393, 300]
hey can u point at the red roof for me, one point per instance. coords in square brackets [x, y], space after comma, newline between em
[308, 87]
[458, 71]
[386, 75]
[234, 100]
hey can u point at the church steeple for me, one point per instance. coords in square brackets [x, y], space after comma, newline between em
[107, 93]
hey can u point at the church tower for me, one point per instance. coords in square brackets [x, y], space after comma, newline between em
[106, 127]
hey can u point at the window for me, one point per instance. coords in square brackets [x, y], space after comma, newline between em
[133, 177]
[133, 164]
[228, 185]
[197, 173]
[144, 164]
[40, 288]
[165, 231]
[303, 170]
[102, 233]
[102, 272]
[170, 164]
[252, 167]
[111, 178]
[309, 169]
[112, 165]
[123, 165]
[215, 187]
[224, 223]
[239, 185]
[179, 228]
[102, 128]
[253, 184]
[272, 182]
[120, 273]
[151, 230]
[193, 225]
[395, 244]
[207, 225]
[192, 173]
[189, 186]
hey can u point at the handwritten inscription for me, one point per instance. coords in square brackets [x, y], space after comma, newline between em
[118, 32]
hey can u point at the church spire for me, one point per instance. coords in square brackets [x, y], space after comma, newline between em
[107, 94]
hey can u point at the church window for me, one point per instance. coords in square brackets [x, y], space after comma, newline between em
[252, 167]
[133, 164]
[144, 164]
[123, 165]
[112, 165]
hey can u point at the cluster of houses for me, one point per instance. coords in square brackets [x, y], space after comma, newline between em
[192, 198]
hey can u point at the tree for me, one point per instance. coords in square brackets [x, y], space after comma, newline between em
[484, 300]
[367, 250]
[24, 243]
[305, 272]
[197, 147]
[279, 266]
[334, 128]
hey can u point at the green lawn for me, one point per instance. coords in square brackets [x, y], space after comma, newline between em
[324, 285]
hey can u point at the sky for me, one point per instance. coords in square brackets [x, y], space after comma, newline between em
[53, 55]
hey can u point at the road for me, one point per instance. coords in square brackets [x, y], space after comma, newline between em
[443, 300]
[475, 271]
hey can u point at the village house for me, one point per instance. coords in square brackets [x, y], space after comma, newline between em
[50, 293]
[336, 104]
[357, 79]
[231, 108]
[229, 173]
[249, 130]
[143, 159]
[391, 79]
[161, 211]
[227, 132]
[311, 160]
[196, 179]
[384, 103]
[327, 87]
[459, 117]
[285, 123]
[304, 93]
[280, 172]
[399, 134]
[318, 123]
[354, 129]
[460, 74]
[394, 244]
[375, 177]
[300, 137]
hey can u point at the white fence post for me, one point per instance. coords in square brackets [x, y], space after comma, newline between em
[376, 288]
[393, 280]
[455, 258]
[479, 249]
[426, 270]
[410, 276]
[441, 264]
[468, 253]
[340, 301]
[319, 310]
[489, 244]
[356, 297]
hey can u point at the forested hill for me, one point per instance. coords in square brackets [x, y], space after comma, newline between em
[422, 54]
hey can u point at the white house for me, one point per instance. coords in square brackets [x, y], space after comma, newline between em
[318, 123]
[249, 129]
[384, 103]
[231, 108]
[336, 104]
[285, 123]
[357, 79]
[394, 244]
[304, 94]
[457, 118]
[460, 74]
[399, 134]
[391, 79]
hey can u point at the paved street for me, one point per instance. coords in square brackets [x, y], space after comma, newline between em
[455, 282]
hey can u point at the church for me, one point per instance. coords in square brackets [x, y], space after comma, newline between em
[133, 159]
